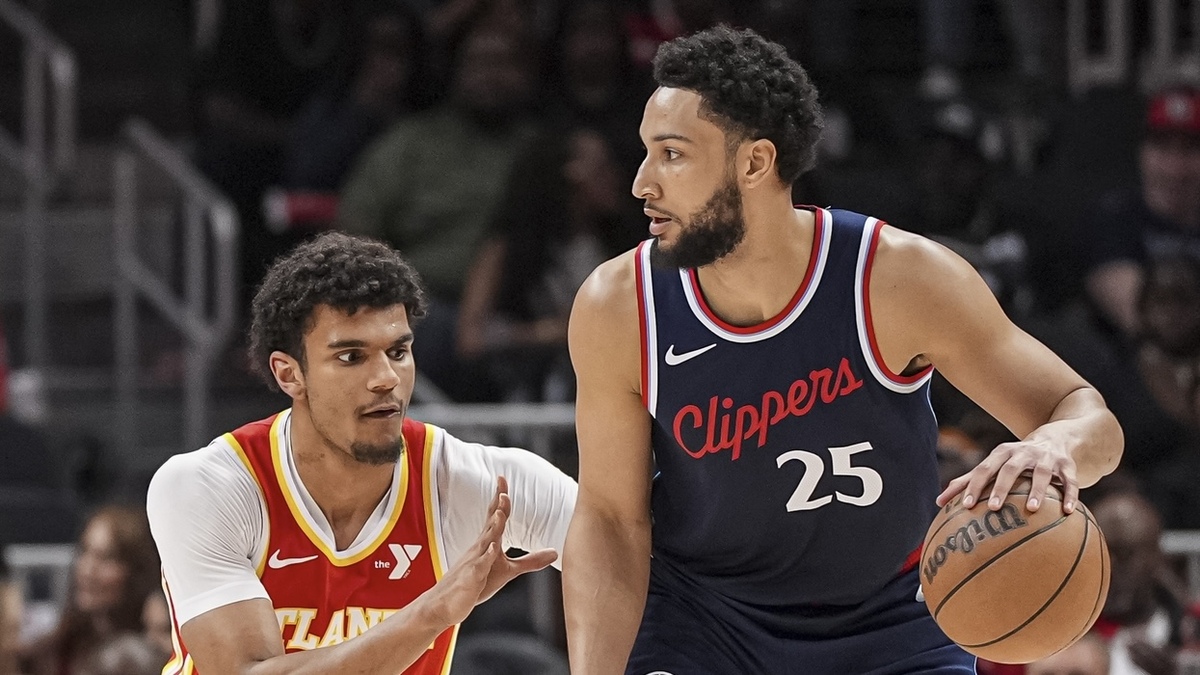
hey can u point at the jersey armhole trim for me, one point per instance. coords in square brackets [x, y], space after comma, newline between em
[901, 384]
[647, 328]
[260, 559]
[433, 514]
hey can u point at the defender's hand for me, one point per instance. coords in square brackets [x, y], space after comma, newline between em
[484, 569]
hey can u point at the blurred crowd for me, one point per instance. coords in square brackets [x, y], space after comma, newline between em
[493, 142]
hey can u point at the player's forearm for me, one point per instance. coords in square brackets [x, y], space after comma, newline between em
[388, 648]
[1092, 433]
[606, 571]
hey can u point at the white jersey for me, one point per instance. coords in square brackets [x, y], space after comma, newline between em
[209, 520]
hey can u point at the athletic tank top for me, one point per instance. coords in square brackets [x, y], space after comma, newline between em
[323, 597]
[794, 471]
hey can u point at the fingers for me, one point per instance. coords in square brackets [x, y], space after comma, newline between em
[982, 475]
[953, 488]
[534, 561]
[995, 476]
[1070, 489]
[1005, 477]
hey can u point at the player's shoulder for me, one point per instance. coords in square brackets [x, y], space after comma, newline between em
[213, 470]
[908, 260]
[611, 287]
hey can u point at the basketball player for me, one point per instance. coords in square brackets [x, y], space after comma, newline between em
[358, 535]
[772, 364]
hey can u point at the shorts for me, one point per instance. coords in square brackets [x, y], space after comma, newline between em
[689, 633]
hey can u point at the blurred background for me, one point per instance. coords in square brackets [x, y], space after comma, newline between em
[156, 155]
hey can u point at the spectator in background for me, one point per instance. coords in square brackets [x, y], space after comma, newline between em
[1142, 616]
[269, 58]
[956, 202]
[156, 623]
[430, 185]
[565, 213]
[1088, 656]
[1129, 228]
[11, 612]
[592, 81]
[116, 567]
[383, 77]
[1168, 363]
[126, 654]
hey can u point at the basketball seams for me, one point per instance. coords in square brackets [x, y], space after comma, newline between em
[1101, 591]
[1011, 547]
[1049, 601]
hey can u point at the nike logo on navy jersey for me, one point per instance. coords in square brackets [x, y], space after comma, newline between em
[674, 359]
[278, 563]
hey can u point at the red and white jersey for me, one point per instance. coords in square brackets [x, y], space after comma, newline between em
[219, 547]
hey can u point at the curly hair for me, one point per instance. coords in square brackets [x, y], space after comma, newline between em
[339, 270]
[751, 89]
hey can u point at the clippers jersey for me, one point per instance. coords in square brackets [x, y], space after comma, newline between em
[796, 474]
[323, 597]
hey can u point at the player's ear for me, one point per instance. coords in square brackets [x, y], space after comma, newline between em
[758, 162]
[288, 374]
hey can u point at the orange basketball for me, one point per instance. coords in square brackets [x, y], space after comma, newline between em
[1012, 586]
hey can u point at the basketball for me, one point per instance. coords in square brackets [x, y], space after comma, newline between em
[1012, 586]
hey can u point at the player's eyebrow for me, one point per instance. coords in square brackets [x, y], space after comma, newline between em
[671, 137]
[359, 344]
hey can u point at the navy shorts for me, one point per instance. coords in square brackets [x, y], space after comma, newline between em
[685, 632]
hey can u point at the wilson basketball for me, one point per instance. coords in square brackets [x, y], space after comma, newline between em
[1012, 586]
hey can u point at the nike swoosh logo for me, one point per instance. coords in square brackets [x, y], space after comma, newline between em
[674, 359]
[277, 563]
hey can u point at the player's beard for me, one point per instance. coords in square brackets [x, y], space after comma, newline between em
[377, 454]
[710, 234]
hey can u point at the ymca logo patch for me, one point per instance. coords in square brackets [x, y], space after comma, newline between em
[404, 555]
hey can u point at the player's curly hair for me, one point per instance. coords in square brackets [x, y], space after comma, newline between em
[751, 89]
[339, 270]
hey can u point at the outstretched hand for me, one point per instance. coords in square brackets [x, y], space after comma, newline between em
[1047, 460]
[485, 569]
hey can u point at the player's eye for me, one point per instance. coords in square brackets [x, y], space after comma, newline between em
[398, 353]
[671, 154]
[349, 357]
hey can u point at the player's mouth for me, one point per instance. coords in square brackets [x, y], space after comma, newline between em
[658, 221]
[383, 412]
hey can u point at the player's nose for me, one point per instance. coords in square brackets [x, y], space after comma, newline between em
[644, 187]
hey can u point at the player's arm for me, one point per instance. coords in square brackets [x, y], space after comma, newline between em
[203, 521]
[543, 497]
[930, 306]
[243, 638]
[606, 565]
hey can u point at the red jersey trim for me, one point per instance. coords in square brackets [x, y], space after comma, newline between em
[643, 327]
[301, 517]
[869, 324]
[816, 255]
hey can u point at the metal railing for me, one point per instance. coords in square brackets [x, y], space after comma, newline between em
[1167, 59]
[42, 159]
[208, 219]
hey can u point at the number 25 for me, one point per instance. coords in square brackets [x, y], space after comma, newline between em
[814, 468]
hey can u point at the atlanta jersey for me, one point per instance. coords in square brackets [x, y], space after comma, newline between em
[233, 521]
[796, 473]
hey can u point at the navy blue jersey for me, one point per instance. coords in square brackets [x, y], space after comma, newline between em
[795, 471]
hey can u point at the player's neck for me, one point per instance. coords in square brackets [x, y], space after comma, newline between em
[759, 279]
[347, 491]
